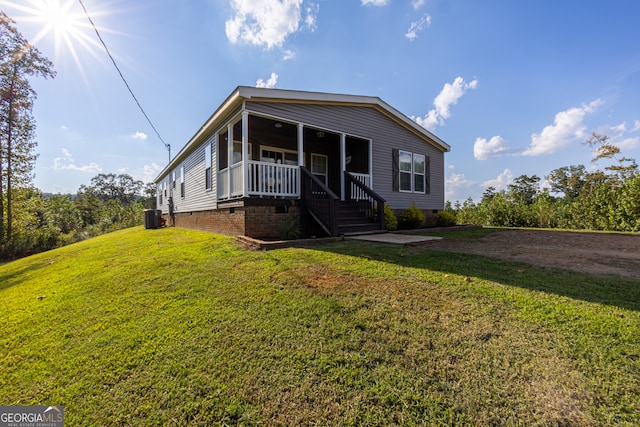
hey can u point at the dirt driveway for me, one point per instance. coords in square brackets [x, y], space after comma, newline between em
[595, 253]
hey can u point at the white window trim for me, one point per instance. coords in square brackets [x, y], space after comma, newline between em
[412, 173]
[277, 150]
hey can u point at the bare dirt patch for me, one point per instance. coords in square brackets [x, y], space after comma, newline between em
[595, 253]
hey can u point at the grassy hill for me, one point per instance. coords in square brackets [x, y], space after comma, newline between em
[177, 327]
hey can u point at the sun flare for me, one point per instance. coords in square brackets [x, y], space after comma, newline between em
[63, 22]
[57, 17]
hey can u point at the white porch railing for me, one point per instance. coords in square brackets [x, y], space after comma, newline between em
[223, 184]
[273, 179]
[356, 192]
[236, 180]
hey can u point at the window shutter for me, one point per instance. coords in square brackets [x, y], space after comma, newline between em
[395, 171]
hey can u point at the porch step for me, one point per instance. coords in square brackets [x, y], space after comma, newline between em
[358, 228]
[351, 220]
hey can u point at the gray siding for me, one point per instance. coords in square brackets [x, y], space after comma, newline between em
[197, 197]
[386, 134]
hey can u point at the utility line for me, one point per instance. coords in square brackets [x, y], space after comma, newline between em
[167, 146]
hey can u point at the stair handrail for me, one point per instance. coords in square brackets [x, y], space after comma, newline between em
[320, 201]
[374, 198]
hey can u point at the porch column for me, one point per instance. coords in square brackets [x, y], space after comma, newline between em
[370, 170]
[245, 154]
[300, 144]
[343, 163]
[229, 157]
[300, 157]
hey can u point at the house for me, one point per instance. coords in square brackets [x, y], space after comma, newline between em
[269, 160]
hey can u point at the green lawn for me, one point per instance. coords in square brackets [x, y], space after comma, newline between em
[177, 327]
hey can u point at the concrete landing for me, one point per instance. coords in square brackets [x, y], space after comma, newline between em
[396, 239]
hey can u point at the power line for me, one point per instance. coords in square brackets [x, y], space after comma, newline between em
[167, 146]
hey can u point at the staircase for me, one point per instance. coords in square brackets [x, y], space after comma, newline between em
[354, 215]
[352, 220]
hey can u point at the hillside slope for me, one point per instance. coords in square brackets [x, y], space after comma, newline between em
[177, 327]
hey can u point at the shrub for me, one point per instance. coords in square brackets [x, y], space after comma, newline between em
[444, 219]
[390, 219]
[411, 218]
[290, 230]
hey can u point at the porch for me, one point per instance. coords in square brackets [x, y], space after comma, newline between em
[266, 157]
[261, 156]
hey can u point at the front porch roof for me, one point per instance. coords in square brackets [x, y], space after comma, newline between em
[236, 99]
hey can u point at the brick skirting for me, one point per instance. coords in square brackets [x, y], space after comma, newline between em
[264, 222]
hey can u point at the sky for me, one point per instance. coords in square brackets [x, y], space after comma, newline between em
[514, 87]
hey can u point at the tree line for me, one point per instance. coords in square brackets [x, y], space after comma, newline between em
[42, 222]
[597, 198]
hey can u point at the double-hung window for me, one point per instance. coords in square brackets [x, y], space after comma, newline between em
[182, 181]
[412, 172]
[207, 166]
[406, 170]
[319, 167]
[418, 173]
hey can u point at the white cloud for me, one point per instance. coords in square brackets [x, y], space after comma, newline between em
[374, 2]
[621, 128]
[417, 4]
[263, 22]
[271, 83]
[628, 143]
[149, 172]
[494, 147]
[636, 126]
[311, 18]
[417, 26]
[447, 97]
[66, 162]
[289, 54]
[455, 182]
[567, 126]
[139, 135]
[501, 182]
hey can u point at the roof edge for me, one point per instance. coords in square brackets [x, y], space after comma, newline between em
[247, 93]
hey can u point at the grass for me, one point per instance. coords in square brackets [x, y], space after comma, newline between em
[177, 327]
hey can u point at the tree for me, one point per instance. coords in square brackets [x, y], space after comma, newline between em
[18, 61]
[110, 186]
[569, 180]
[524, 189]
[60, 212]
[149, 192]
[624, 167]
